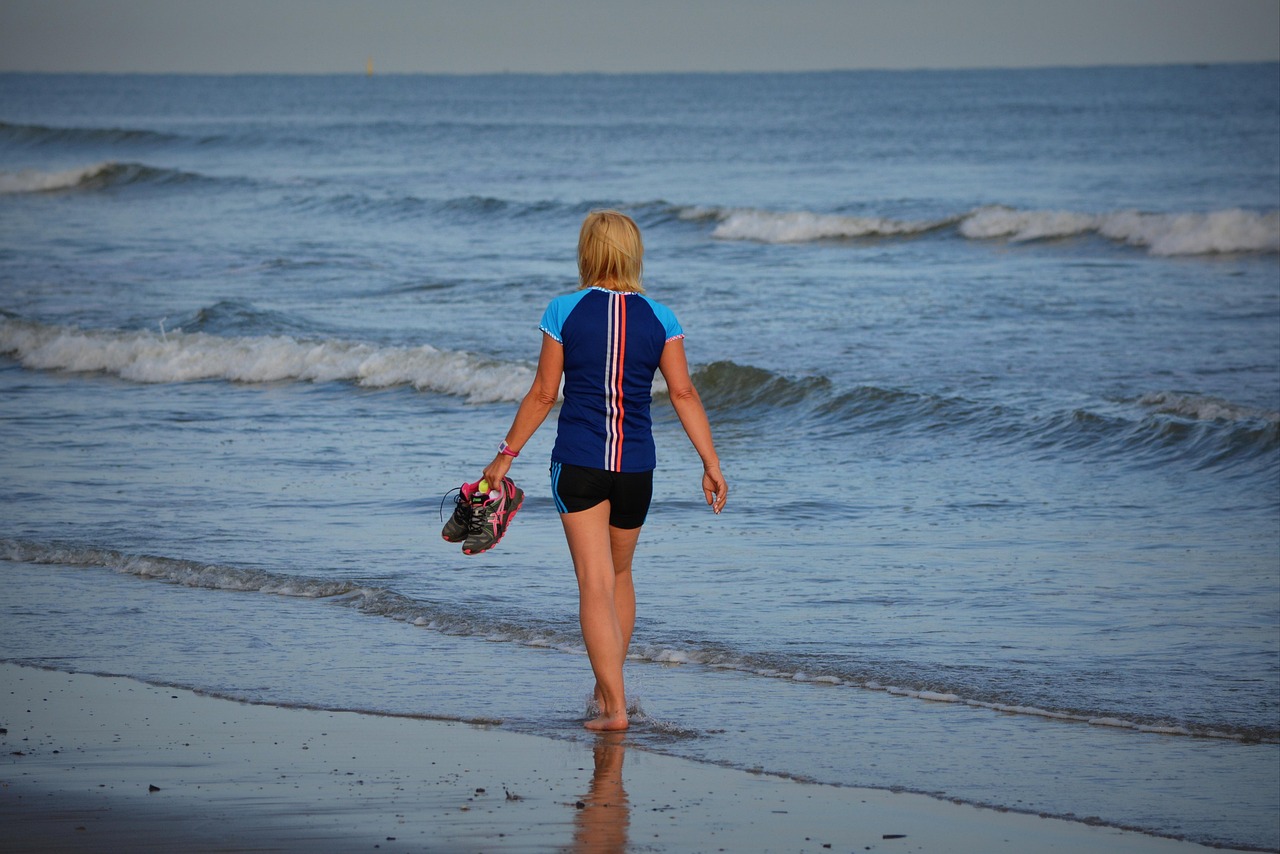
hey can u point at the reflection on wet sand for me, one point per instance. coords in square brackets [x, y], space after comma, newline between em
[604, 813]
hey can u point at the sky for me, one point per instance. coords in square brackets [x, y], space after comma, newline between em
[554, 36]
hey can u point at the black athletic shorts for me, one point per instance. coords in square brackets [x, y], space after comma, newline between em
[577, 488]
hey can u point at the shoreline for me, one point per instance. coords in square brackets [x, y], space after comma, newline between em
[98, 762]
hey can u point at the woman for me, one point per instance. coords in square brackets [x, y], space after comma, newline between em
[606, 340]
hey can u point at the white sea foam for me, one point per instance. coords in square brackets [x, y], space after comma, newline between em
[1233, 230]
[992, 222]
[1222, 231]
[181, 572]
[167, 357]
[674, 656]
[1203, 408]
[938, 697]
[805, 226]
[35, 181]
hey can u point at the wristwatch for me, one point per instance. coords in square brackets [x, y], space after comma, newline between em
[504, 448]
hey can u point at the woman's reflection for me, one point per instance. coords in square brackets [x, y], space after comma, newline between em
[604, 814]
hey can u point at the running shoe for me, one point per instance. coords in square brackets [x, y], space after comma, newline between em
[491, 518]
[459, 524]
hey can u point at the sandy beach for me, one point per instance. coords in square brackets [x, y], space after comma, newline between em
[98, 763]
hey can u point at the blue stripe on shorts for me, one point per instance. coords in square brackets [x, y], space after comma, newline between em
[555, 492]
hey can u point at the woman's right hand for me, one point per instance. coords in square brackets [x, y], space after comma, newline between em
[497, 470]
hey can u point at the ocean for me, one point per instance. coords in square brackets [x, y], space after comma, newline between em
[992, 359]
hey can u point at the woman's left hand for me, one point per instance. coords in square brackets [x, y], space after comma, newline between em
[715, 488]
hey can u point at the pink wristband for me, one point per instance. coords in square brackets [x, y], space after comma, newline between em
[504, 448]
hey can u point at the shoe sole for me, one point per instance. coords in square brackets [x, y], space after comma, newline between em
[511, 517]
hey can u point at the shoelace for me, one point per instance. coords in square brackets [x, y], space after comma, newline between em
[480, 517]
[446, 498]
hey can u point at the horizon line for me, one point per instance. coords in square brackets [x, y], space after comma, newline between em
[362, 72]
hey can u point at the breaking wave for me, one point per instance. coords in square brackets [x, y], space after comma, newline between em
[98, 176]
[1155, 427]
[1223, 231]
[1203, 408]
[380, 601]
[1158, 426]
[806, 226]
[169, 357]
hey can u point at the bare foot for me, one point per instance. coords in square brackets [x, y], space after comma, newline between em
[609, 723]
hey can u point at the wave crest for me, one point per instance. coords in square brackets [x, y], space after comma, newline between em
[1224, 231]
[729, 386]
[1159, 426]
[184, 572]
[95, 177]
[1215, 232]
[160, 357]
[806, 226]
[1204, 408]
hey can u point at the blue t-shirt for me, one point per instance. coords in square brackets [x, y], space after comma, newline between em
[612, 344]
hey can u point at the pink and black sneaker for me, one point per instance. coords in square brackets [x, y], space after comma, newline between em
[459, 524]
[491, 516]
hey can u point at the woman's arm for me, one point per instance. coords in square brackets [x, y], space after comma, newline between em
[534, 407]
[688, 405]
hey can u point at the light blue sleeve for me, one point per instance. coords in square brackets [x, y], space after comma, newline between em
[558, 309]
[667, 318]
[558, 312]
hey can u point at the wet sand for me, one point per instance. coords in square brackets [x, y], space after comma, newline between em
[96, 763]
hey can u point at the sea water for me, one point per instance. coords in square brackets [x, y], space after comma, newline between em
[992, 359]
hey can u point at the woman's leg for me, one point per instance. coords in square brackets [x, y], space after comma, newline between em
[606, 604]
[622, 543]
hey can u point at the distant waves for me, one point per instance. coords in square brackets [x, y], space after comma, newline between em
[1192, 233]
[1233, 230]
[43, 135]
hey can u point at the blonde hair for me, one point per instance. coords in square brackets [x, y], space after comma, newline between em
[610, 252]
